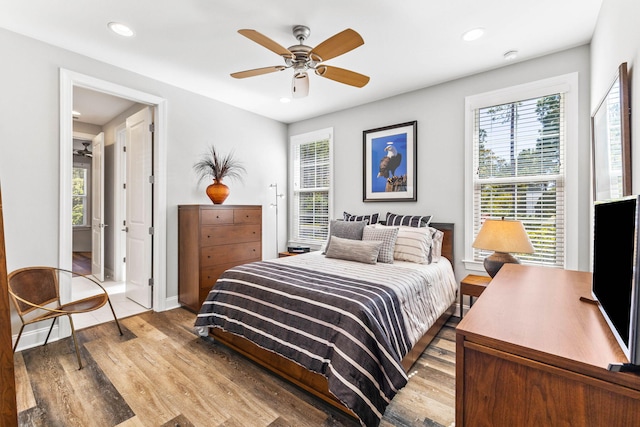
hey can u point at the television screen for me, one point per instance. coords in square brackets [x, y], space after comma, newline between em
[615, 268]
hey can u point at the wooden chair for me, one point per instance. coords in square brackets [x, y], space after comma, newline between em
[35, 293]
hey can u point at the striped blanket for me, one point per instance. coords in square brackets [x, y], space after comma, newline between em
[347, 327]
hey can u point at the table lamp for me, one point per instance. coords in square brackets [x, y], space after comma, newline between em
[502, 236]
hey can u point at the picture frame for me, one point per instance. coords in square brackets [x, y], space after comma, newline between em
[611, 141]
[390, 163]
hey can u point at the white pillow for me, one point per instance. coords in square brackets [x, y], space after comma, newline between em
[414, 244]
[436, 247]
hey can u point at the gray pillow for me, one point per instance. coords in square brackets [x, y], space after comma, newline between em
[346, 230]
[387, 236]
[354, 250]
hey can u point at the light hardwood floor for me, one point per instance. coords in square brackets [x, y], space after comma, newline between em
[161, 374]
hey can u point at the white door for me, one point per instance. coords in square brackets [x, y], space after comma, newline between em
[139, 208]
[97, 207]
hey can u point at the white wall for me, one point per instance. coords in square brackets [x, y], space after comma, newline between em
[617, 40]
[439, 111]
[29, 149]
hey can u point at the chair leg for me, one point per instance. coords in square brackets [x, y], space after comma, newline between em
[114, 316]
[50, 329]
[75, 341]
[19, 335]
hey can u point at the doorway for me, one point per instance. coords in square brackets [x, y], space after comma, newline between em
[70, 81]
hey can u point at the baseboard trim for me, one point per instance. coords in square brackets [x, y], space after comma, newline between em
[171, 303]
[36, 337]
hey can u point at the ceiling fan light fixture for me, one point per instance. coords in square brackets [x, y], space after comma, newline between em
[473, 34]
[300, 85]
[121, 29]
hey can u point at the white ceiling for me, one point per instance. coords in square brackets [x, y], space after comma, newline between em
[97, 108]
[409, 44]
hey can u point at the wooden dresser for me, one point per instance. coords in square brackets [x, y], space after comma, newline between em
[531, 353]
[211, 239]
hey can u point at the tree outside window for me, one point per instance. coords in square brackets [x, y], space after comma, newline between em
[520, 172]
[79, 194]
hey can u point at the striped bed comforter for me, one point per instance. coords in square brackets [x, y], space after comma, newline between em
[351, 322]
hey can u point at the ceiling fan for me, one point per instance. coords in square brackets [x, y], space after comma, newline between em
[302, 58]
[85, 151]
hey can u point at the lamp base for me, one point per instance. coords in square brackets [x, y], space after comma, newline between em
[493, 263]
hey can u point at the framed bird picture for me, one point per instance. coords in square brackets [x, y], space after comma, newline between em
[390, 163]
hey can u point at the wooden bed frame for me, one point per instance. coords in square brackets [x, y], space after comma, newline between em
[314, 383]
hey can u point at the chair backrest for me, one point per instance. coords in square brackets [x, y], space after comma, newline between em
[38, 285]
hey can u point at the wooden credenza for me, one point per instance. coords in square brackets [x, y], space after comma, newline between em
[212, 239]
[8, 404]
[531, 353]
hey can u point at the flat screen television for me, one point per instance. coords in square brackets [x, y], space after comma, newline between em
[616, 269]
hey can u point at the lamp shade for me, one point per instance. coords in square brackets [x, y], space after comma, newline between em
[501, 235]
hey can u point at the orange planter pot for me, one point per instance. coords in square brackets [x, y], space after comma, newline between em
[217, 192]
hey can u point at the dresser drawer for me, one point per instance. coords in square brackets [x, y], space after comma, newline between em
[217, 216]
[223, 254]
[247, 216]
[212, 235]
[209, 276]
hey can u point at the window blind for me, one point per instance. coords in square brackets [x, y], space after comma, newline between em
[311, 186]
[519, 172]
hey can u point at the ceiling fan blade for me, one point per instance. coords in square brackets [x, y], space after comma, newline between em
[342, 76]
[336, 45]
[265, 41]
[257, 71]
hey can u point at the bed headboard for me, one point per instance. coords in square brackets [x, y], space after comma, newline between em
[447, 240]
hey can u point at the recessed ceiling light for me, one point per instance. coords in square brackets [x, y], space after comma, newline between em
[511, 55]
[473, 34]
[120, 29]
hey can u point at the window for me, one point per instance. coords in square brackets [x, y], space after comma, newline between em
[311, 172]
[79, 194]
[519, 167]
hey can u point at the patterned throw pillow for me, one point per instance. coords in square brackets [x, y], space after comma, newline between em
[408, 220]
[346, 230]
[354, 250]
[371, 219]
[387, 236]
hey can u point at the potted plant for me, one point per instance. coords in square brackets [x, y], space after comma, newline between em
[213, 165]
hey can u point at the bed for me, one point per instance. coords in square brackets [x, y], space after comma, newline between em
[345, 331]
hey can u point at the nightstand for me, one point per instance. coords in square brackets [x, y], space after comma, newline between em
[286, 254]
[473, 286]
